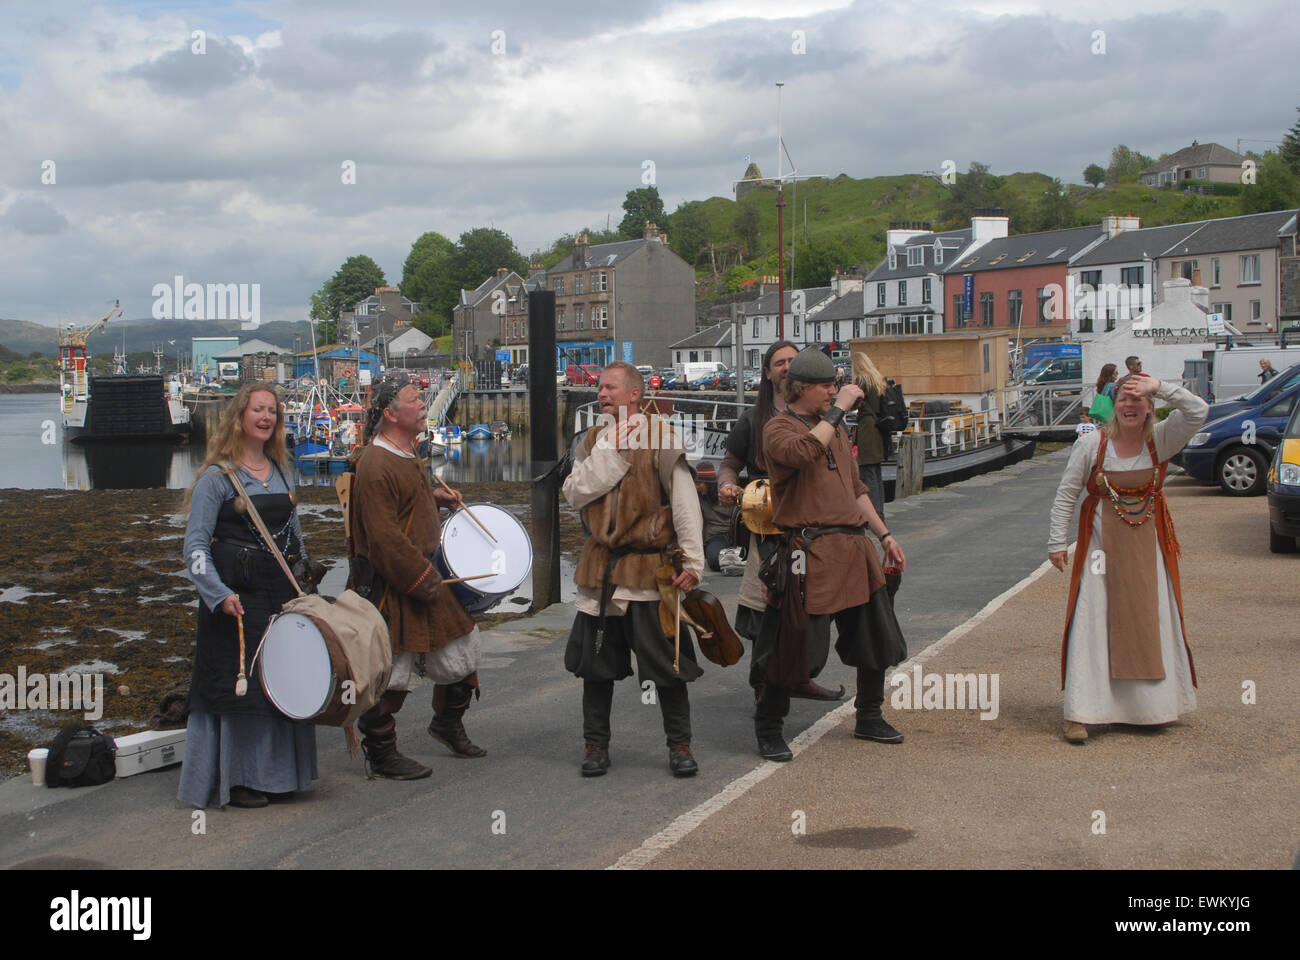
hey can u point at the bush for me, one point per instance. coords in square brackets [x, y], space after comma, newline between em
[19, 373]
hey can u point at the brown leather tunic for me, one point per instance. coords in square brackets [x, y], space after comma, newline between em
[386, 491]
[843, 570]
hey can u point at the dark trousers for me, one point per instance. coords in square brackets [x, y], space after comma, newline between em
[773, 706]
[598, 701]
[870, 474]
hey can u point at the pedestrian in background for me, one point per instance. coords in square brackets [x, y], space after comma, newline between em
[1266, 371]
[871, 444]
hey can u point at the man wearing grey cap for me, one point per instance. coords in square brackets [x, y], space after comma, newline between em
[828, 569]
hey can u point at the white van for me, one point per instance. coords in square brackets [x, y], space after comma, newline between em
[1236, 372]
[688, 373]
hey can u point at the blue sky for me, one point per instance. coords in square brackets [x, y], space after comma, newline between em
[227, 166]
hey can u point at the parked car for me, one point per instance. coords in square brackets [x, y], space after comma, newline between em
[1284, 490]
[707, 382]
[584, 374]
[644, 369]
[1234, 451]
[753, 379]
[1289, 377]
[1052, 369]
[521, 373]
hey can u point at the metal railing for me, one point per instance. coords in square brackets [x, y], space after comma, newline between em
[447, 394]
[1055, 404]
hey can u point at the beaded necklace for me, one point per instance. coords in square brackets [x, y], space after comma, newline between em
[1131, 502]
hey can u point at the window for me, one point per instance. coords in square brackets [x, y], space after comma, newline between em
[1085, 321]
[599, 317]
[557, 284]
[1250, 268]
[902, 293]
[1044, 306]
[938, 252]
[604, 282]
[754, 333]
[560, 317]
[580, 317]
[893, 259]
[1110, 320]
[1280, 409]
[988, 358]
[1184, 268]
[1131, 276]
[695, 355]
[795, 332]
[1200, 173]
[515, 330]
[857, 329]
[986, 309]
[1214, 272]
[925, 289]
[523, 328]
[914, 323]
[915, 256]
[958, 320]
[577, 283]
[1222, 308]
[708, 355]
[1254, 311]
[880, 294]
[1015, 305]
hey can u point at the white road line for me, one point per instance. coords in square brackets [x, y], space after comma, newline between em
[683, 825]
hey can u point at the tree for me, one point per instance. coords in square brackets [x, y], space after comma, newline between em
[1290, 151]
[745, 227]
[1094, 174]
[478, 254]
[431, 247]
[641, 206]
[1125, 164]
[1276, 187]
[975, 188]
[1053, 210]
[354, 281]
[689, 231]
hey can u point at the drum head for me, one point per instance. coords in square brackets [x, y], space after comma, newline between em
[466, 549]
[294, 665]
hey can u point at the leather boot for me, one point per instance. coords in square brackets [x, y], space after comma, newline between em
[378, 729]
[680, 761]
[871, 723]
[450, 701]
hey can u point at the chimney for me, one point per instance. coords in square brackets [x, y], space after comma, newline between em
[502, 271]
[580, 245]
[988, 223]
[900, 231]
[1112, 225]
[651, 231]
[847, 281]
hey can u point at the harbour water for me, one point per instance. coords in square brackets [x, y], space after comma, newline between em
[36, 456]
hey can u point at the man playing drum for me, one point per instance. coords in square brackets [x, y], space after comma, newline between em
[394, 532]
[637, 498]
[831, 571]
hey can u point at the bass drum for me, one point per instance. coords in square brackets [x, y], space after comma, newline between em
[295, 668]
[466, 551]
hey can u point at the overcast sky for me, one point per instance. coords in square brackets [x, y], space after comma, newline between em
[227, 166]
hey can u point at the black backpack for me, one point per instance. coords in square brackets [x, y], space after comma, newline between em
[80, 756]
[893, 415]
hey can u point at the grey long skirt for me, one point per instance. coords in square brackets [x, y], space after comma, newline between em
[270, 754]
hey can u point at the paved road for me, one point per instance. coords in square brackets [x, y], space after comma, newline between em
[965, 545]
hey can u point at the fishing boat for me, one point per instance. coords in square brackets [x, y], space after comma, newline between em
[479, 431]
[500, 430]
[450, 434]
[121, 406]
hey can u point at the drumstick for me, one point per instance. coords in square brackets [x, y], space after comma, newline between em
[477, 576]
[465, 508]
[241, 684]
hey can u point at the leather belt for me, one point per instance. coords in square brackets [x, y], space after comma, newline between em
[812, 533]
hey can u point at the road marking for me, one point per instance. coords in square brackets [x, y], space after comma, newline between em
[683, 825]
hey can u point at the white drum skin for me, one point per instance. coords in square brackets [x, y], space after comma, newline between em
[294, 667]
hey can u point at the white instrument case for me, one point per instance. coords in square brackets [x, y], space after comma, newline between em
[151, 750]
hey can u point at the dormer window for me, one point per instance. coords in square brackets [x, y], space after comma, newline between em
[998, 259]
[1022, 259]
[938, 252]
[915, 256]
[893, 259]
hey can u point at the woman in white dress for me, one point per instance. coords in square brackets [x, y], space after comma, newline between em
[1125, 657]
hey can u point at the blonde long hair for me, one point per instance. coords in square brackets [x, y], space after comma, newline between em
[227, 441]
[866, 375]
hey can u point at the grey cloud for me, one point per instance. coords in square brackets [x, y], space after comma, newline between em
[33, 216]
[184, 73]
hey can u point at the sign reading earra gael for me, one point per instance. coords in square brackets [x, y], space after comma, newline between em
[627, 351]
[1170, 335]
[503, 356]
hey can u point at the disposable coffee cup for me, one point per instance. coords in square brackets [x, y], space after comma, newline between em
[36, 760]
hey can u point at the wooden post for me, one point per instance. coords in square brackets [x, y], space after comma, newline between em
[911, 465]
[544, 449]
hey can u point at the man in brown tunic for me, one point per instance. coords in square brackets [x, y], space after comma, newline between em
[394, 532]
[637, 497]
[821, 503]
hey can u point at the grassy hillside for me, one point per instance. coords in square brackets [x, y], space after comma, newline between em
[141, 335]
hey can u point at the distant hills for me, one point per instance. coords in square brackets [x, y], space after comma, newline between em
[23, 337]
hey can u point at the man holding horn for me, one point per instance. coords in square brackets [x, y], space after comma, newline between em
[395, 530]
[637, 496]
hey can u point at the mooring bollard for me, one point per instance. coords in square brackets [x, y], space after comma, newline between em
[911, 465]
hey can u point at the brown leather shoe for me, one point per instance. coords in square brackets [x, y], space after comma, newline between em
[596, 761]
[247, 798]
[680, 761]
[452, 734]
[1075, 732]
[812, 690]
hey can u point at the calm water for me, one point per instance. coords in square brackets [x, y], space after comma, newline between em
[28, 461]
